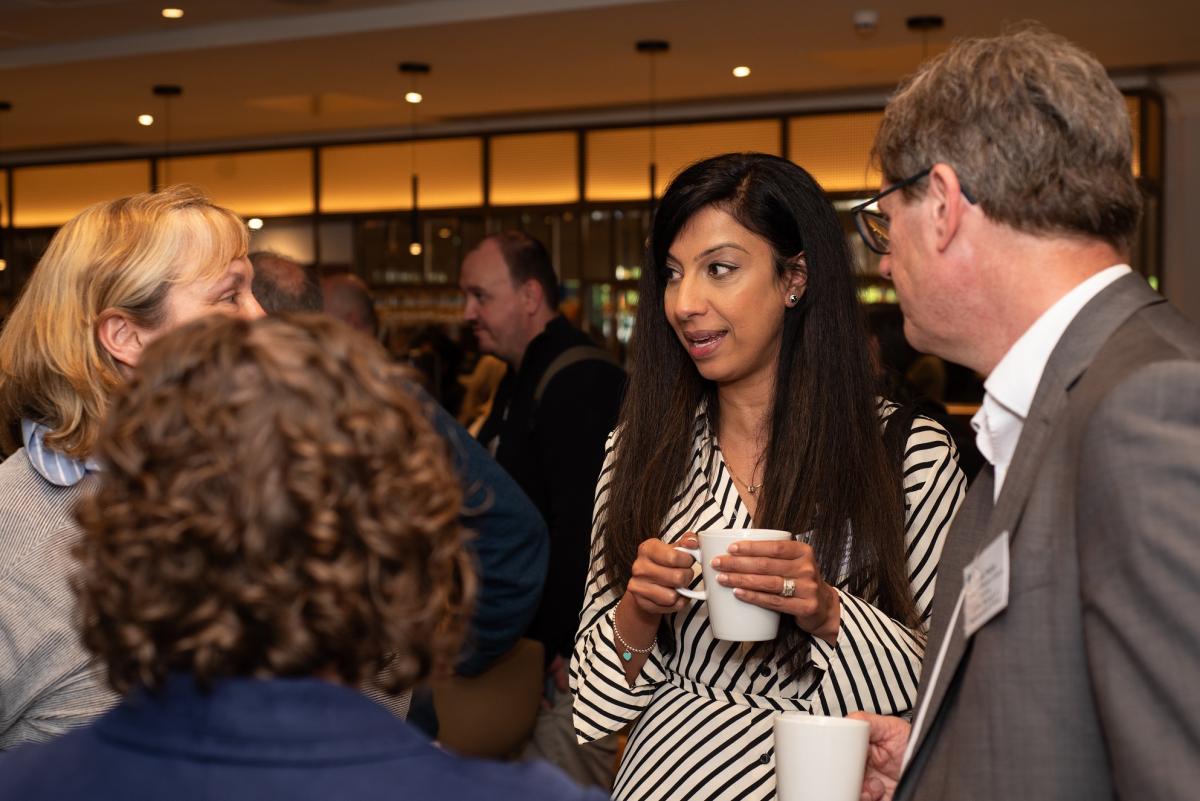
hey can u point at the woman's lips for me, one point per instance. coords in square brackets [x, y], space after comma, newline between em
[702, 344]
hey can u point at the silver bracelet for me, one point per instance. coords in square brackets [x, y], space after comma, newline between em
[628, 650]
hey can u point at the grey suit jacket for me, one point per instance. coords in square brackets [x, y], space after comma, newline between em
[1088, 685]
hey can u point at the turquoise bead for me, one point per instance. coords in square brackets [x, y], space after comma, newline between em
[627, 656]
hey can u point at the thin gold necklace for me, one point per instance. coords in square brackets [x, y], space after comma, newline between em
[750, 488]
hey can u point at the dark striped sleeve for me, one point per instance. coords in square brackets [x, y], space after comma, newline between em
[876, 663]
[603, 700]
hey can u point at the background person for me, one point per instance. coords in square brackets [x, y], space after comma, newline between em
[1008, 207]
[555, 406]
[283, 284]
[752, 404]
[114, 278]
[276, 524]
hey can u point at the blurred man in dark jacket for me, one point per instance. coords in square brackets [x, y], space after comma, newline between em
[551, 416]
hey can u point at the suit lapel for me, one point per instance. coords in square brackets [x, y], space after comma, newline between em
[973, 527]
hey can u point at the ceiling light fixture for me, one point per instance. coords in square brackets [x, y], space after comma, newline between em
[741, 72]
[168, 92]
[923, 24]
[5, 220]
[146, 119]
[415, 70]
[653, 48]
[254, 224]
[173, 13]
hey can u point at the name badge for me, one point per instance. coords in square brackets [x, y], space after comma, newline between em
[985, 585]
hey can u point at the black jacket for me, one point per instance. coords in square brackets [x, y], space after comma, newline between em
[555, 452]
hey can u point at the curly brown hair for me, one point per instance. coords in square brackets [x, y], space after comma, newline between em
[274, 502]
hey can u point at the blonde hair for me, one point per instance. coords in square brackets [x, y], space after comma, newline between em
[1033, 126]
[123, 255]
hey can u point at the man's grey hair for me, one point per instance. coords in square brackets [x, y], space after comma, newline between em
[1034, 127]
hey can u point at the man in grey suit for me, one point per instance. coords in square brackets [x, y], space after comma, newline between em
[1065, 643]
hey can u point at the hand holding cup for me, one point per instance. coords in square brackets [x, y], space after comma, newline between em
[660, 567]
[783, 576]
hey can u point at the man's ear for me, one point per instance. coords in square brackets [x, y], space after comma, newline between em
[948, 206]
[121, 337]
[532, 296]
[795, 281]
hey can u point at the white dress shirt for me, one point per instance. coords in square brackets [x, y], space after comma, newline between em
[1012, 384]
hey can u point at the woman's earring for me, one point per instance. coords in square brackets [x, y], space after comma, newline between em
[793, 299]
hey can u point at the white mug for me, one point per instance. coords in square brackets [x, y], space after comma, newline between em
[819, 757]
[730, 617]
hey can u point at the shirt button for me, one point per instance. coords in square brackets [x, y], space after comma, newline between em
[764, 759]
[764, 671]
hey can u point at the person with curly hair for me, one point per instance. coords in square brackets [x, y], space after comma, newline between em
[115, 277]
[276, 523]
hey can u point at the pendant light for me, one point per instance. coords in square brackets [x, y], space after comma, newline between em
[5, 107]
[652, 49]
[415, 70]
[168, 92]
[923, 24]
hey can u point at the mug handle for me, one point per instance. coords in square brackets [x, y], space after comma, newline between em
[687, 592]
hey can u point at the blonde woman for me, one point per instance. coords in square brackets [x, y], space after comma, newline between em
[114, 278]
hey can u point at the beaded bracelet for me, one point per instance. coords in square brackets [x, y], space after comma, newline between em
[628, 650]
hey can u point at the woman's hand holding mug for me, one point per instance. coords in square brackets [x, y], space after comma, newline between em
[660, 567]
[782, 575]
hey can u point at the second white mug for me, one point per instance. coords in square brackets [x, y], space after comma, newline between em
[729, 617]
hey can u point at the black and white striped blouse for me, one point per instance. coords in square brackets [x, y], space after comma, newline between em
[703, 715]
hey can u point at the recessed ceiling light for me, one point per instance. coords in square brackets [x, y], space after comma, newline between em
[741, 72]
[3, 265]
[145, 119]
[415, 248]
[172, 13]
[414, 97]
[254, 223]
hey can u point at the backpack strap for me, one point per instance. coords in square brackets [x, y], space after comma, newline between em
[570, 356]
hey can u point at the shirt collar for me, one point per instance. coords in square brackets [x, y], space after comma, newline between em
[1015, 379]
[57, 468]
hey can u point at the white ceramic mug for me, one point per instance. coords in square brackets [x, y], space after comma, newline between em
[729, 617]
[819, 757]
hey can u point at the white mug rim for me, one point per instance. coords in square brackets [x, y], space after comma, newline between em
[820, 720]
[746, 533]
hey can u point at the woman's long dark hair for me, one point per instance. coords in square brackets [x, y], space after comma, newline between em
[826, 468]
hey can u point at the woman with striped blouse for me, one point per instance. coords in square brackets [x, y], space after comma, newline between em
[751, 404]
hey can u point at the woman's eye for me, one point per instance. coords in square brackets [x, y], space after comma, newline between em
[232, 297]
[673, 274]
[718, 269]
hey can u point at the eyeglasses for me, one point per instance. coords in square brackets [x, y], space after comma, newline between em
[873, 225]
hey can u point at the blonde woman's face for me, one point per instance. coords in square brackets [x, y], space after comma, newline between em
[228, 293]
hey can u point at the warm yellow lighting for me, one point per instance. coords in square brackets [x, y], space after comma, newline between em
[444, 233]
[254, 224]
[3, 265]
[145, 119]
[414, 97]
[415, 248]
[172, 13]
[741, 72]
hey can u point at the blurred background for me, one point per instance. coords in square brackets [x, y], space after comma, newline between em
[386, 138]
